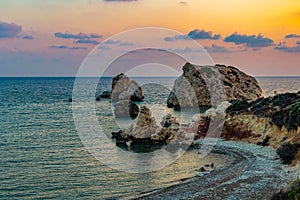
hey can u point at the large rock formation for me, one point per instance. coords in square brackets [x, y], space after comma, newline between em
[194, 86]
[125, 89]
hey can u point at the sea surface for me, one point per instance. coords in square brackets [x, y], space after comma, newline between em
[42, 156]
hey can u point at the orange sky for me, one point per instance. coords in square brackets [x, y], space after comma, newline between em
[42, 18]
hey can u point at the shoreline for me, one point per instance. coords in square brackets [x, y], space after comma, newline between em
[252, 172]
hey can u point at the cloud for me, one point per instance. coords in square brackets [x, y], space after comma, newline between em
[111, 42]
[183, 3]
[298, 42]
[295, 49]
[77, 36]
[126, 44]
[27, 37]
[195, 34]
[216, 49]
[87, 41]
[118, 42]
[66, 47]
[292, 36]
[185, 50]
[177, 37]
[250, 40]
[9, 30]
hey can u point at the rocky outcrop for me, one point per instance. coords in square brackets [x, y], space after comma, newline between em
[126, 109]
[272, 121]
[194, 86]
[146, 130]
[125, 89]
[124, 93]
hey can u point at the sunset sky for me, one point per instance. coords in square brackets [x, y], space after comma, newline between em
[52, 37]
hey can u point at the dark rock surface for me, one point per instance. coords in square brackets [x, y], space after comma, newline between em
[287, 152]
[106, 94]
[126, 109]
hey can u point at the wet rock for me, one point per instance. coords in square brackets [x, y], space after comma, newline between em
[70, 99]
[193, 87]
[105, 94]
[98, 98]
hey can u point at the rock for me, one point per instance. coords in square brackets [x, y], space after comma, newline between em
[98, 99]
[168, 120]
[265, 142]
[287, 152]
[106, 94]
[124, 89]
[135, 91]
[145, 130]
[126, 109]
[119, 85]
[144, 126]
[202, 169]
[192, 87]
[70, 99]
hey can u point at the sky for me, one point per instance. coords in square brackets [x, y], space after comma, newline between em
[53, 37]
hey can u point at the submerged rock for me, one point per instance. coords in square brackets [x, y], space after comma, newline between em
[194, 86]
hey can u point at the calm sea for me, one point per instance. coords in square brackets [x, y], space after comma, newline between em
[42, 156]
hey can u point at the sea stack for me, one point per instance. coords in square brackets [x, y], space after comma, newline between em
[192, 89]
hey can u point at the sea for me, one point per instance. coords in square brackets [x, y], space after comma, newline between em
[42, 156]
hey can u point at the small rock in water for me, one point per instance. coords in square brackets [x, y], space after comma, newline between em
[105, 94]
[70, 100]
[98, 99]
[212, 165]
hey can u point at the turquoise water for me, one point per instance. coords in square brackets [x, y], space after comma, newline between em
[42, 156]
